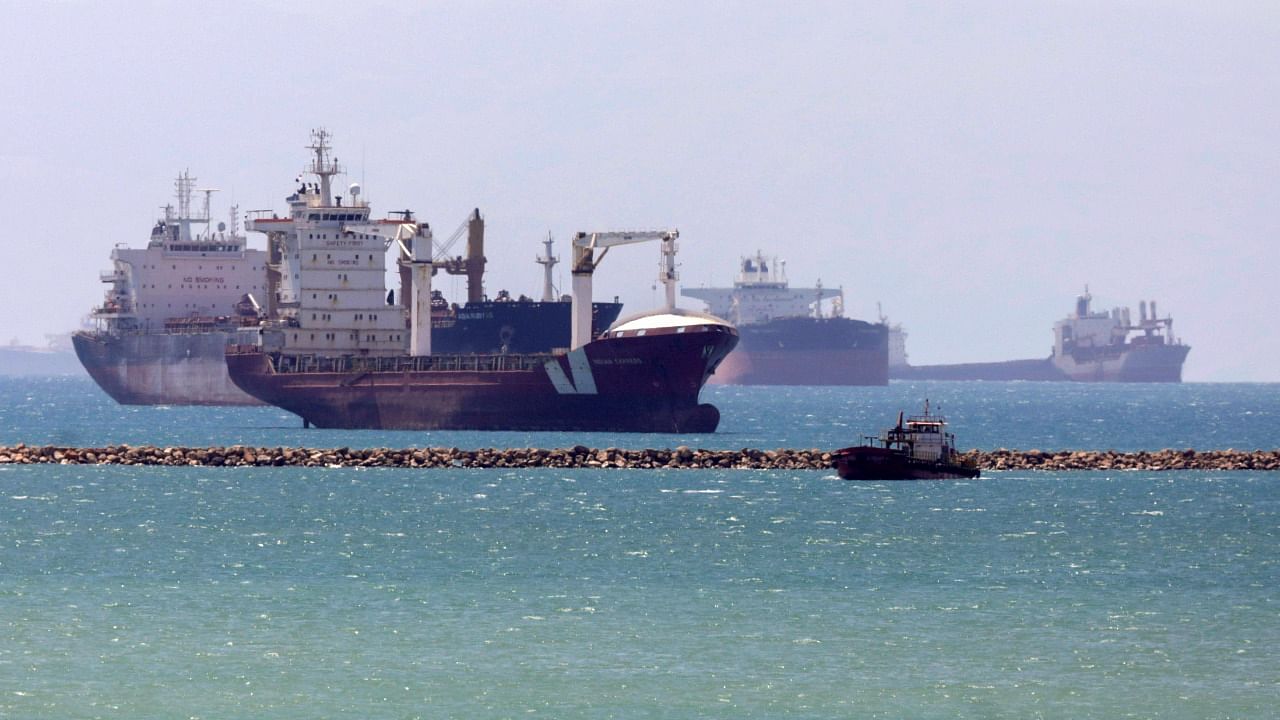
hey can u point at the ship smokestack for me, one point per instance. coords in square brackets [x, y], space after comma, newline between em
[1142, 310]
[1154, 316]
[475, 257]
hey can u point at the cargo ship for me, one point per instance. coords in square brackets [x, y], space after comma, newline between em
[788, 337]
[334, 356]
[171, 308]
[1088, 346]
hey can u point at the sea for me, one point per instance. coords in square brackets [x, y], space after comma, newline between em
[194, 593]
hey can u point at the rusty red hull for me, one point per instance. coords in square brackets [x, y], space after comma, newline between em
[647, 383]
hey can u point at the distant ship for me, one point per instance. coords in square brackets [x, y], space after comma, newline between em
[1088, 347]
[171, 308]
[55, 358]
[334, 355]
[786, 336]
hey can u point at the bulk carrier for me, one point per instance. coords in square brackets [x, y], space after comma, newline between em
[786, 336]
[1088, 346]
[334, 355]
[172, 307]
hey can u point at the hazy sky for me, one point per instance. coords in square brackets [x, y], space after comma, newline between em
[971, 166]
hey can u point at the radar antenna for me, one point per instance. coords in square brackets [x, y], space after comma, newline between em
[322, 167]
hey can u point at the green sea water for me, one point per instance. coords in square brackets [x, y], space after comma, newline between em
[344, 593]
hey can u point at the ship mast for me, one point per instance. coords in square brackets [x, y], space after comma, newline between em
[184, 185]
[208, 218]
[322, 167]
[547, 262]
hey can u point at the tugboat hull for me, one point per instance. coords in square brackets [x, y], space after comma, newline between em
[874, 463]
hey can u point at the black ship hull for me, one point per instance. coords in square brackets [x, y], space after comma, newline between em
[514, 327]
[875, 463]
[809, 351]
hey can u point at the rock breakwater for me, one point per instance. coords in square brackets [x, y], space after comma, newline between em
[584, 457]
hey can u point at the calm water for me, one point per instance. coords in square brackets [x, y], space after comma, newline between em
[343, 593]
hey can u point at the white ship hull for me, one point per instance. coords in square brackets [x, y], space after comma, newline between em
[161, 368]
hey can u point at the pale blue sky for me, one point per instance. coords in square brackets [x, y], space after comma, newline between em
[969, 166]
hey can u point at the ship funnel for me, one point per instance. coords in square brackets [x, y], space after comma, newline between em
[1142, 310]
[1153, 310]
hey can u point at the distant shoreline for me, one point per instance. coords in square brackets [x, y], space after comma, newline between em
[583, 457]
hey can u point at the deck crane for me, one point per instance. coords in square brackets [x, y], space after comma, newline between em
[585, 262]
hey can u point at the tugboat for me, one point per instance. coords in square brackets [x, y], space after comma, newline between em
[919, 449]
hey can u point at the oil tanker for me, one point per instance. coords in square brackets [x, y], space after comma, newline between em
[171, 308]
[1088, 346]
[336, 358]
[787, 338]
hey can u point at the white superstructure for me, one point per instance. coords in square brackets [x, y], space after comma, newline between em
[187, 275]
[327, 275]
[1087, 331]
[761, 293]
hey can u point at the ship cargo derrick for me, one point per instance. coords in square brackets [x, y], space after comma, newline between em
[623, 382]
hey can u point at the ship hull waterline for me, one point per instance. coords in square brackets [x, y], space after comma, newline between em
[632, 384]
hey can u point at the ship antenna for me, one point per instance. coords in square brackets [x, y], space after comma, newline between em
[184, 185]
[208, 195]
[322, 167]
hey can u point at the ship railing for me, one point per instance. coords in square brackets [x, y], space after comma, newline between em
[311, 363]
[112, 276]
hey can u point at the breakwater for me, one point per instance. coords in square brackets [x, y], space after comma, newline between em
[585, 457]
